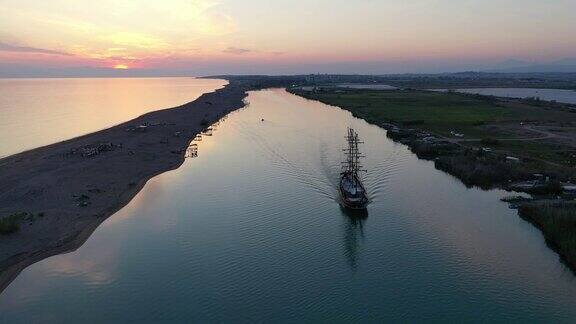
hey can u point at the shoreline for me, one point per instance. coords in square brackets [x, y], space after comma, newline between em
[59, 194]
[449, 157]
[62, 192]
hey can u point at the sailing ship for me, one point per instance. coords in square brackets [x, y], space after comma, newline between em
[352, 191]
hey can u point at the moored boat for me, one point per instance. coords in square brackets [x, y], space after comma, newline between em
[352, 192]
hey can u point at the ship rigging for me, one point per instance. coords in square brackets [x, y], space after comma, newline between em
[352, 192]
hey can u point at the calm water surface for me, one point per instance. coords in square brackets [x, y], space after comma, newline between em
[251, 230]
[566, 96]
[368, 86]
[37, 112]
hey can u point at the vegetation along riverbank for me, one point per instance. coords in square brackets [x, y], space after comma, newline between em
[518, 145]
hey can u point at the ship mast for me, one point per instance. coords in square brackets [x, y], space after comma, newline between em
[352, 164]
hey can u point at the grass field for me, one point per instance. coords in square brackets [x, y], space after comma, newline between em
[538, 150]
[439, 111]
[444, 113]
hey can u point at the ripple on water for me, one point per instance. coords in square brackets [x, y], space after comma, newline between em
[251, 231]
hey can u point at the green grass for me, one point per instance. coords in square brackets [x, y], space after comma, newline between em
[558, 223]
[538, 150]
[443, 113]
[406, 106]
[439, 111]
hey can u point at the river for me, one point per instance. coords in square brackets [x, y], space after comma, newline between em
[250, 231]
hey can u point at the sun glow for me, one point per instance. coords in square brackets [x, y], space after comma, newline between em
[121, 67]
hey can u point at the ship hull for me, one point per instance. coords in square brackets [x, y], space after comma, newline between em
[349, 200]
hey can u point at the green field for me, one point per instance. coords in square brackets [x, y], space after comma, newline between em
[442, 113]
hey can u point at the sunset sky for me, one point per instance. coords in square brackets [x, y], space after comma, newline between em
[280, 36]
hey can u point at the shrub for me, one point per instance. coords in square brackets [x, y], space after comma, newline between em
[484, 171]
[558, 222]
[413, 122]
[489, 141]
[550, 188]
[9, 225]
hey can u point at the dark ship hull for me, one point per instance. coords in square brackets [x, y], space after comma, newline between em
[352, 192]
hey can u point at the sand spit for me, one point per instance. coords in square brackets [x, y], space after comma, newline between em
[69, 188]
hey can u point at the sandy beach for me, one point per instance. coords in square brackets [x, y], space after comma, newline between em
[71, 187]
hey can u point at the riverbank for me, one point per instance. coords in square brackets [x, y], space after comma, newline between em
[52, 198]
[484, 142]
[556, 219]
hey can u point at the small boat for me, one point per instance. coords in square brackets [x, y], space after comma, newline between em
[352, 192]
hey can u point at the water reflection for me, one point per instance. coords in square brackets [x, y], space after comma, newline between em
[192, 150]
[252, 226]
[354, 220]
[37, 112]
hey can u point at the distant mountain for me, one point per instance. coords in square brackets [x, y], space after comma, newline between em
[518, 66]
[511, 63]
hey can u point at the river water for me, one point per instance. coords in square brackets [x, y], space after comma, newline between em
[251, 231]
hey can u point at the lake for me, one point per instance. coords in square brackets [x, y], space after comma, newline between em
[38, 112]
[251, 231]
[368, 86]
[565, 96]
